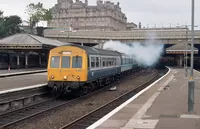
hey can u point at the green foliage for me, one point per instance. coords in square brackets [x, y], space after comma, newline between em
[47, 15]
[9, 25]
[1, 13]
[12, 24]
[37, 13]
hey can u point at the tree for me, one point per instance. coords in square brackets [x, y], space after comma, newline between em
[12, 24]
[1, 14]
[37, 13]
[47, 15]
[9, 25]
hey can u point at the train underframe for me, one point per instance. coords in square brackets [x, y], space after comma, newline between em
[81, 88]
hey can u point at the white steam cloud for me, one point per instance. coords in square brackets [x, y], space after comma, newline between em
[146, 54]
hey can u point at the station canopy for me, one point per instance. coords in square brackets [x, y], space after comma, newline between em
[180, 49]
[28, 41]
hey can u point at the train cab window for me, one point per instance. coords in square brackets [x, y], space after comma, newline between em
[65, 62]
[92, 62]
[77, 62]
[55, 61]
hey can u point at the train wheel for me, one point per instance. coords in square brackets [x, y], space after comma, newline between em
[85, 90]
[55, 91]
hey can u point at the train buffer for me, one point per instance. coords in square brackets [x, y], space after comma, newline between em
[158, 107]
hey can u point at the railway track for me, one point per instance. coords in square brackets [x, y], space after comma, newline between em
[14, 117]
[19, 99]
[97, 114]
[18, 115]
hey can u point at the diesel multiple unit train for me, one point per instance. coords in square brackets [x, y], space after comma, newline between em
[72, 67]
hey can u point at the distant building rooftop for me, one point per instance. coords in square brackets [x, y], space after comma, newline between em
[28, 41]
[180, 49]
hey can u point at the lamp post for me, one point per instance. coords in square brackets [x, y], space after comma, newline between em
[186, 49]
[191, 82]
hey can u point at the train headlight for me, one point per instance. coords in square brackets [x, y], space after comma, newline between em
[78, 77]
[52, 77]
[65, 77]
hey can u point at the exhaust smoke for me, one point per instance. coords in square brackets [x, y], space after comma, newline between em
[146, 54]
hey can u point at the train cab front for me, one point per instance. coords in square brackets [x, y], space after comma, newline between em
[67, 68]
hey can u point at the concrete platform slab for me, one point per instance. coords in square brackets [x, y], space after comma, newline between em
[141, 124]
[190, 116]
[7, 73]
[114, 123]
[20, 70]
[172, 123]
[22, 81]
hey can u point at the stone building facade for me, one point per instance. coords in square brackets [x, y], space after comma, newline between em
[105, 16]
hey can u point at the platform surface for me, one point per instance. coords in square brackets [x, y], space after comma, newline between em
[162, 106]
[21, 81]
[12, 71]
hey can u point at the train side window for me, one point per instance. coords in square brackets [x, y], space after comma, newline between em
[103, 62]
[77, 62]
[119, 61]
[97, 61]
[65, 62]
[55, 61]
[107, 62]
[110, 61]
[92, 62]
[124, 61]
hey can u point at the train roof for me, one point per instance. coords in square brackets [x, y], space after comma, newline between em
[94, 51]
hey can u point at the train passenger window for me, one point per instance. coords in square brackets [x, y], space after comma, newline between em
[65, 62]
[97, 61]
[110, 62]
[124, 61]
[77, 62]
[107, 63]
[92, 62]
[104, 62]
[55, 61]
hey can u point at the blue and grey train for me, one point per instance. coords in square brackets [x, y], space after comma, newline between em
[70, 67]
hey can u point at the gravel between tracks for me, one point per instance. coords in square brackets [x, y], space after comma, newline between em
[58, 118]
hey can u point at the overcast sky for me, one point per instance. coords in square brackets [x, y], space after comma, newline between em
[148, 12]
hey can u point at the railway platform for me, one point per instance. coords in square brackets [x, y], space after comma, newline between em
[16, 83]
[162, 105]
[14, 72]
